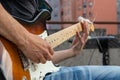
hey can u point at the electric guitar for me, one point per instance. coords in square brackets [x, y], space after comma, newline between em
[16, 66]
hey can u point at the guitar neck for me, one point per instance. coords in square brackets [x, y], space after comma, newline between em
[61, 36]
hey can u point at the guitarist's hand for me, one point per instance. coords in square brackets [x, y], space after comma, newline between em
[31, 45]
[37, 49]
[80, 40]
[77, 46]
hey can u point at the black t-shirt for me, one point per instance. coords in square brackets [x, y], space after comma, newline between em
[24, 9]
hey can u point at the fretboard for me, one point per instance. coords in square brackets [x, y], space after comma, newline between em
[61, 36]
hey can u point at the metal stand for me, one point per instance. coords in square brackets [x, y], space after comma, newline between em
[104, 49]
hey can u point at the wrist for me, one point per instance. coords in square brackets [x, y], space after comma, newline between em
[22, 40]
[71, 52]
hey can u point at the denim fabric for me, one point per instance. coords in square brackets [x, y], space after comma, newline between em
[86, 73]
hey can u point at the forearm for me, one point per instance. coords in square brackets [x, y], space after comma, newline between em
[62, 55]
[10, 28]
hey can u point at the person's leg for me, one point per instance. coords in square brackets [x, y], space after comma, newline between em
[104, 72]
[86, 73]
[68, 73]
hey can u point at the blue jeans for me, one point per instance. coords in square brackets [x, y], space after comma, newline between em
[86, 73]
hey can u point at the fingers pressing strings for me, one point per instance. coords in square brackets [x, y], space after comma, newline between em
[85, 31]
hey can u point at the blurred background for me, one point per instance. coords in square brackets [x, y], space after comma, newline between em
[103, 48]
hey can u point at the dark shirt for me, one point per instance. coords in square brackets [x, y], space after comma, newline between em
[25, 9]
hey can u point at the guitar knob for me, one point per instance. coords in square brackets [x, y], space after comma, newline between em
[41, 77]
[34, 67]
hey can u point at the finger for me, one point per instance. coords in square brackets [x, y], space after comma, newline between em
[79, 37]
[85, 27]
[85, 31]
[82, 25]
[82, 40]
[51, 50]
[41, 58]
[48, 56]
[74, 40]
[79, 40]
[48, 53]
[35, 60]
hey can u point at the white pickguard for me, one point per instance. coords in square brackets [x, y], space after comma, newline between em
[38, 71]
